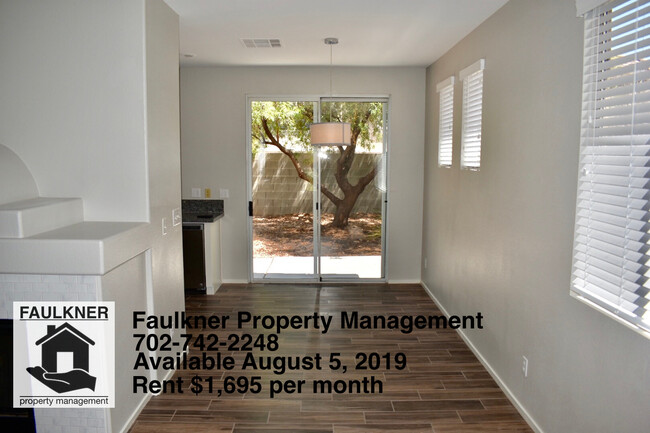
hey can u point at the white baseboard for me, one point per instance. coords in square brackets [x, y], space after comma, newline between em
[404, 282]
[141, 405]
[513, 399]
[234, 281]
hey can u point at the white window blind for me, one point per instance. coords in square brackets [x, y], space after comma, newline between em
[611, 261]
[446, 118]
[472, 76]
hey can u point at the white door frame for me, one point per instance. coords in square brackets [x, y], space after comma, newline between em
[316, 207]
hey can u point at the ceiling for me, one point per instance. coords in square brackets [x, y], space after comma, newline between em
[371, 32]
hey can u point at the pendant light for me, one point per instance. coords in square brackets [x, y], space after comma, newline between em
[330, 133]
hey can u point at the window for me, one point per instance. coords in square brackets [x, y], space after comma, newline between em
[445, 130]
[611, 261]
[472, 76]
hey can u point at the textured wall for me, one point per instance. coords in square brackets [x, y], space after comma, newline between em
[277, 189]
[500, 240]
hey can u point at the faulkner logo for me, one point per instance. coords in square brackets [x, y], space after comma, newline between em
[64, 339]
[64, 354]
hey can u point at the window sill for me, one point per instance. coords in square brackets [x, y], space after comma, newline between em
[609, 314]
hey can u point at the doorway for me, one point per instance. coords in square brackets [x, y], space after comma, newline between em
[317, 214]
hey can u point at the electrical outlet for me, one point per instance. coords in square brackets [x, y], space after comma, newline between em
[224, 193]
[196, 192]
[524, 366]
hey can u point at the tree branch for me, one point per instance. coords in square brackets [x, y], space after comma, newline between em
[301, 173]
[327, 193]
[365, 180]
[274, 141]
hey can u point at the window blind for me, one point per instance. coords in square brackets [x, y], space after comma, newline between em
[611, 262]
[472, 76]
[446, 119]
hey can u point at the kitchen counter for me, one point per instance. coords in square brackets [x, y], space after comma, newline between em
[202, 211]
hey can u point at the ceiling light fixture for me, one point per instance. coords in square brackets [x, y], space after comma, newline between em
[330, 133]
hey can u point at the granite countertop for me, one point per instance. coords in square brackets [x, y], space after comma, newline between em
[201, 211]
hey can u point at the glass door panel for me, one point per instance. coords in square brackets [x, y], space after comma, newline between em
[353, 193]
[282, 189]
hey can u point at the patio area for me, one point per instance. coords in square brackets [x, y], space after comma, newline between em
[345, 267]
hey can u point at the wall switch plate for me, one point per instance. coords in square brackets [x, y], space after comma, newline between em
[196, 192]
[164, 226]
[224, 193]
[524, 366]
[176, 216]
[426, 263]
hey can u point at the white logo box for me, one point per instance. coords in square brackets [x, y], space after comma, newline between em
[64, 354]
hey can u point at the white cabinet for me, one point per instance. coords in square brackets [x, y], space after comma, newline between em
[212, 234]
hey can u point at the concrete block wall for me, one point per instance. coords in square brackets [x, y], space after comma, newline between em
[277, 189]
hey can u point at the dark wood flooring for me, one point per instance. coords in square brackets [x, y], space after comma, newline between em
[444, 388]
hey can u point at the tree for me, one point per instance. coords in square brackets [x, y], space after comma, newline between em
[285, 125]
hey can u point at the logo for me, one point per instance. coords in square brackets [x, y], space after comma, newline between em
[64, 354]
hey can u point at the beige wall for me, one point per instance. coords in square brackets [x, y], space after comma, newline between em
[166, 292]
[14, 172]
[66, 66]
[163, 154]
[117, 287]
[153, 281]
[213, 146]
[90, 103]
[499, 240]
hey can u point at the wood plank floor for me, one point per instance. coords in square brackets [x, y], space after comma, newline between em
[443, 389]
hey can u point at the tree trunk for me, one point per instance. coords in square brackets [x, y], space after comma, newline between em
[351, 192]
[343, 210]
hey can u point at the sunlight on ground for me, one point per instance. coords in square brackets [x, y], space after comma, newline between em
[336, 267]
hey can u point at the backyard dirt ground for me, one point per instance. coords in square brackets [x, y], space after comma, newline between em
[292, 235]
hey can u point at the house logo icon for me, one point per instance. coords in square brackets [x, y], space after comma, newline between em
[64, 354]
[64, 340]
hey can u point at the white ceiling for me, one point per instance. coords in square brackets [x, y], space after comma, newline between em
[371, 32]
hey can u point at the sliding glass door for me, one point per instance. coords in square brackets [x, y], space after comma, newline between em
[282, 204]
[353, 192]
[316, 214]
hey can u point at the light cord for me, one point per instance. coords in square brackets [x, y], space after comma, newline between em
[330, 82]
